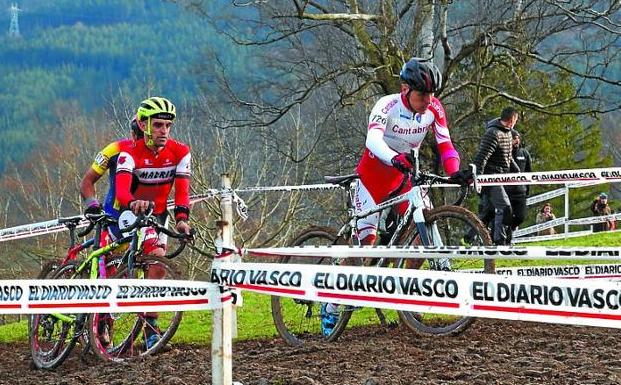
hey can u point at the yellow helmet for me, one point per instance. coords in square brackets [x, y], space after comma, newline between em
[155, 108]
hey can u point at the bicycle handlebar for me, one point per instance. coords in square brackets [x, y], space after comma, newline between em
[148, 220]
[95, 219]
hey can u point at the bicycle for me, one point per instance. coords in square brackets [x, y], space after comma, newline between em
[297, 319]
[124, 336]
[53, 336]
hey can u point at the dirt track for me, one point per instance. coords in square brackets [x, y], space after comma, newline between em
[491, 352]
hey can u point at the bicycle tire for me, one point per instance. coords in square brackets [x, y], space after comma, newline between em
[299, 320]
[50, 339]
[123, 336]
[433, 324]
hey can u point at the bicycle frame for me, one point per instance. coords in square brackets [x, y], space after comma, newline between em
[416, 203]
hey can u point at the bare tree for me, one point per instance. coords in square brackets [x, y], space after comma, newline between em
[347, 52]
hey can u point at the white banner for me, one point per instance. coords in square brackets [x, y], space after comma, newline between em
[595, 303]
[108, 296]
[610, 174]
[463, 252]
[600, 271]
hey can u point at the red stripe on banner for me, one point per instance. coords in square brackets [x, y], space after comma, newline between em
[272, 289]
[226, 298]
[164, 303]
[389, 300]
[68, 305]
[15, 306]
[592, 277]
[562, 313]
[225, 254]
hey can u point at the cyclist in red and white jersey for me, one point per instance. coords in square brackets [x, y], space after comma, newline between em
[398, 123]
[146, 173]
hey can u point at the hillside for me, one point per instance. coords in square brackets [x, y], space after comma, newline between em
[86, 53]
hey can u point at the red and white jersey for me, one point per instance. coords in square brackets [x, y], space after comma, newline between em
[393, 129]
[148, 175]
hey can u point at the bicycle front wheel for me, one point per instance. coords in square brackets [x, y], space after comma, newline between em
[446, 226]
[51, 337]
[124, 336]
[297, 320]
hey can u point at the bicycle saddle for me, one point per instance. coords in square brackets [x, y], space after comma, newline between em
[342, 180]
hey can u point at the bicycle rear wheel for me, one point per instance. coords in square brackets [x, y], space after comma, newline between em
[446, 226]
[297, 320]
[51, 337]
[125, 336]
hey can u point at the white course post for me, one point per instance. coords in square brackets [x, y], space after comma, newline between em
[566, 210]
[222, 338]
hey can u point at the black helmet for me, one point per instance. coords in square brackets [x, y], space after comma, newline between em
[421, 75]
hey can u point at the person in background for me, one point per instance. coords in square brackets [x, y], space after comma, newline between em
[600, 207]
[495, 157]
[519, 194]
[545, 215]
[105, 160]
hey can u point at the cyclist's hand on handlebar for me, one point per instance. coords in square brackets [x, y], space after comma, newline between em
[140, 206]
[402, 162]
[462, 177]
[184, 228]
[94, 208]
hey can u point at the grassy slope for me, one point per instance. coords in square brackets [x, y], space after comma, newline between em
[255, 320]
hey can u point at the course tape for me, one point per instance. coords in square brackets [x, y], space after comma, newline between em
[109, 296]
[610, 174]
[544, 299]
[53, 226]
[580, 177]
[610, 271]
[462, 252]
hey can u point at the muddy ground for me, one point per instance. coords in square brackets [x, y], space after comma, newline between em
[490, 352]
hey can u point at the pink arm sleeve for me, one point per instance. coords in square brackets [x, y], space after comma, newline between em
[448, 154]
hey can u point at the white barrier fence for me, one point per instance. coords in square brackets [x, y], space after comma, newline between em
[519, 235]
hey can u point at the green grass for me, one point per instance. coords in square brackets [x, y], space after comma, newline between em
[254, 318]
[593, 240]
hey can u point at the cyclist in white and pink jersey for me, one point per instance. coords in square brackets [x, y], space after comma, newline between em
[398, 123]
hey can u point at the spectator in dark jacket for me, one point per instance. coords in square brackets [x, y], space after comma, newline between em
[495, 157]
[518, 194]
[600, 207]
